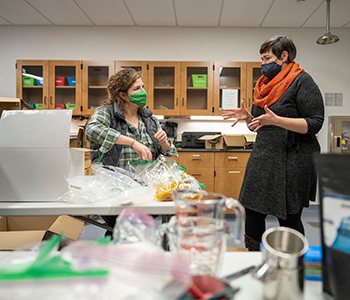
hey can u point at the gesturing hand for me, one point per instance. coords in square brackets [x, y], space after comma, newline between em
[143, 152]
[237, 113]
[269, 118]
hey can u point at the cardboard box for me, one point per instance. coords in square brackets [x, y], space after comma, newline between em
[9, 104]
[224, 141]
[20, 232]
[34, 154]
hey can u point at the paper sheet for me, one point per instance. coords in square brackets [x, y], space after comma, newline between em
[229, 98]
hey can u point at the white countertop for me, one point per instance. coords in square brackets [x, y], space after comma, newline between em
[141, 198]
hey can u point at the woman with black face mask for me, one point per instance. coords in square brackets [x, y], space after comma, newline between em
[287, 112]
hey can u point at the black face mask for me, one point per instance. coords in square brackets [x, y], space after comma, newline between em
[271, 69]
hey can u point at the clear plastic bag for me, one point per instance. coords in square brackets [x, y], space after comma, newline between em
[136, 269]
[104, 184]
[164, 176]
[49, 276]
[133, 225]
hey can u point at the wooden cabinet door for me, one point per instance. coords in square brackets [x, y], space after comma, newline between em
[140, 66]
[64, 92]
[228, 181]
[230, 85]
[95, 79]
[32, 90]
[253, 74]
[196, 95]
[164, 88]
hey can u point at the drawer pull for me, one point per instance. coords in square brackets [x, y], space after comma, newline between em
[232, 158]
[196, 175]
[196, 159]
[234, 172]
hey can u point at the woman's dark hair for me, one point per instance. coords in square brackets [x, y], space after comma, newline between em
[121, 81]
[278, 44]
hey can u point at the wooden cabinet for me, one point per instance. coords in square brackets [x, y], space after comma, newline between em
[199, 165]
[65, 85]
[253, 74]
[28, 88]
[229, 172]
[60, 85]
[94, 86]
[173, 88]
[221, 172]
[140, 66]
[164, 88]
[196, 100]
[229, 76]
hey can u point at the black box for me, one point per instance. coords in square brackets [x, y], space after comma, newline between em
[190, 139]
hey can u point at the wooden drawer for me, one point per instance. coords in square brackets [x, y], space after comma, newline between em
[231, 159]
[202, 174]
[196, 159]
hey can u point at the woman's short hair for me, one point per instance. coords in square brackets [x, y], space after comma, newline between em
[278, 44]
[121, 81]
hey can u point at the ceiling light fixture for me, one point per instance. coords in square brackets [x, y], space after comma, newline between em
[328, 38]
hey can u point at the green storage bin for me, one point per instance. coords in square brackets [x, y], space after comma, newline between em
[200, 80]
[39, 105]
[70, 106]
[28, 81]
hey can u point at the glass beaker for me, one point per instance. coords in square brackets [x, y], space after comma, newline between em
[198, 203]
[199, 241]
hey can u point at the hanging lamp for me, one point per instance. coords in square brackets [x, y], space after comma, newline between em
[328, 38]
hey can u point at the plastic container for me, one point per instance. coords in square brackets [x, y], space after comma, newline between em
[200, 80]
[60, 80]
[28, 81]
[70, 106]
[39, 105]
[60, 106]
[39, 82]
[71, 81]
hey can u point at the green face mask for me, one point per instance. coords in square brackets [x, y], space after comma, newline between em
[139, 98]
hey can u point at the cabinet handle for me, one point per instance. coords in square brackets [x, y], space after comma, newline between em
[234, 172]
[197, 159]
[50, 100]
[232, 158]
[196, 175]
[45, 100]
[177, 101]
[183, 101]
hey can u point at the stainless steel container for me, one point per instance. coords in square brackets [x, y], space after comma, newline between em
[282, 272]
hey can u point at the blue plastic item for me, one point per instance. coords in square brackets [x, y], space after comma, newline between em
[313, 255]
[71, 81]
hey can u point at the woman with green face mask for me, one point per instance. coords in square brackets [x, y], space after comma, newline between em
[123, 129]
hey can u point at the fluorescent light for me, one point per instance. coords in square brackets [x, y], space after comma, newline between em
[159, 117]
[208, 118]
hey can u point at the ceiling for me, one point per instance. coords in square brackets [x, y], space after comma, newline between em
[175, 13]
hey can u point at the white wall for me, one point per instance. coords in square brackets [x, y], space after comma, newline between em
[329, 65]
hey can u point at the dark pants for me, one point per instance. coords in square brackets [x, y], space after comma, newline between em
[110, 221]
[255, 223]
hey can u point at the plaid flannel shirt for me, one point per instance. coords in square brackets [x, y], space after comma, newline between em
[98, 131]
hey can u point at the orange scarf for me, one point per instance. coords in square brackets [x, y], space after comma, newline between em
[267, 92]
